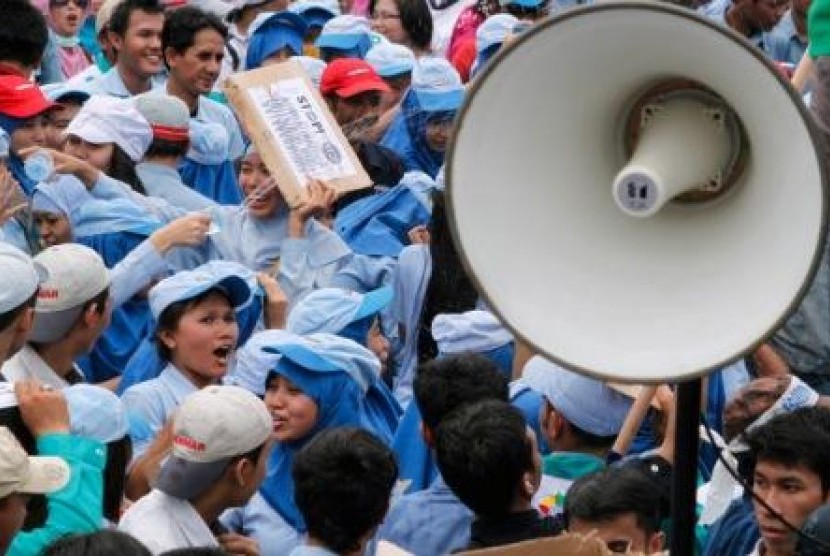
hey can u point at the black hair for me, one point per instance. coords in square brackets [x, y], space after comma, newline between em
[7, 318]
[591, 440]
[23, 34]
[167, 148]
[100, 543]
[416, 20]
[196, 551]
[524, 12]
[799, 438]
[169, 319]
[120, 19]
[99, 301]
[614, 491]
[484, 443]
[450, 289]
[181, 26]
[445, 384]
[342, 482]
[122, 168]
[119, 454]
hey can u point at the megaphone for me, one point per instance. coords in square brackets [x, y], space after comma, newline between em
[637, 192]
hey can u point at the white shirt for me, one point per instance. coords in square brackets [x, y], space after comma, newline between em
[27, 365]
[165, 523]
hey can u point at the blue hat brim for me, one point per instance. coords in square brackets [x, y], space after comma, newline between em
[373, 303]
[340, 41]
[444, 101]
[237, 290]
[302, 356]
[394, 70]
[316, 16]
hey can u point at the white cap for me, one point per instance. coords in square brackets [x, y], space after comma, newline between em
[211, 427]
[19, 277]
[390, 59]
[102, 18]
[111, 120]
[76, 274]
[476, 331]
[494, 31]
[26, 474]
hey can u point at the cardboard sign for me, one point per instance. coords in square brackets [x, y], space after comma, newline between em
[293, 130]
[563, 545]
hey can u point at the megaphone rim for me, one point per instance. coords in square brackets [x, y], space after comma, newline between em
[613, 5]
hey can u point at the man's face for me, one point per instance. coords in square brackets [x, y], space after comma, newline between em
[357, 107]
[197, 67]
[12, 514]
[620, 533]
[767, 13]
[794, 492]
[139, 50]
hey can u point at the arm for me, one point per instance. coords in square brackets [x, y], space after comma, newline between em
[276, 304]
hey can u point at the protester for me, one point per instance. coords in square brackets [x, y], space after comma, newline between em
[23, 38]
[342, 483]
[19, 283]
[102, 543]
[221, 443]
[66, 18]
[344, 36]
[404, 22]
[275, 39]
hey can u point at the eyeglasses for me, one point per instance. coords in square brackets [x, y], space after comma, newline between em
[383, 16]
[63, 3]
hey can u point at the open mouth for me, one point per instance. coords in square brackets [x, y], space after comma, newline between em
[222, 353]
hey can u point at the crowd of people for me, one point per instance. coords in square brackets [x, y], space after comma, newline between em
[189, 365]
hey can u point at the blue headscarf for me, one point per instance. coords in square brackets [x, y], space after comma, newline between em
[280, 30]
[214, 181]
[337, 396]
[378, 225]
[407, 135]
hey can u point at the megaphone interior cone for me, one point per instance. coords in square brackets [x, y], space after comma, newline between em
[536, 149]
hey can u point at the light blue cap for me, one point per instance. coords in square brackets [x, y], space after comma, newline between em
[437, 85]
[345, 32]
[390, 59]
[523, 3]
[314, 67]
[476, 331]
[316, 13]
[188, 284]
[494, 31]
[588, 403]
[421, 185]
[253, 363]
[63, 195]
[329, 353]
[331, 310]
[96, 413]
[60, 91]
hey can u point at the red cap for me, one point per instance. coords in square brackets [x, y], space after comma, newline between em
[347, 77]
[20, 98]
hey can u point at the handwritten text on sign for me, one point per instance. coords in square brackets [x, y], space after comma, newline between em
[302, 132]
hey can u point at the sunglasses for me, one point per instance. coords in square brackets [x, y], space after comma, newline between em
[63, 3]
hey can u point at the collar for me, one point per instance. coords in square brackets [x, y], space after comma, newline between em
[571, 465]
[187, 520]
[178, 384]
[35, 367]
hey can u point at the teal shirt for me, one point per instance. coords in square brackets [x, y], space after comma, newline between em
[78, 507]
[559, 470]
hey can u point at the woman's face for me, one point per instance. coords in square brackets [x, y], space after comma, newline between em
[67, 16]
[33, 133]
[99, 156]
[386, 20]
[203, 339]
[261, 193]
[59, 120]
[294, 413]
[54, 228]
[438, 133]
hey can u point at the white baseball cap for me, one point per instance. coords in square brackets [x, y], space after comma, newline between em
[19, 278]
[211, 427]
[26, 474]
[76, 274]
[477, 331]
[111, 120]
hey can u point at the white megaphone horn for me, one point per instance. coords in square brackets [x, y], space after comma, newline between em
[637, 192]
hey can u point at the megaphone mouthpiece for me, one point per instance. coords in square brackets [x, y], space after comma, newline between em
[684, 142]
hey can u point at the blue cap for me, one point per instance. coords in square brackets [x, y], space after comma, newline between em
[56, 92]
[522, 3]
[316, 13]
[390, 59]
[588, 403]
[253, 364]
[329, 353]
[346, 32]
[331, 310]
[273, 32]
[437, 85]
[96, 413]
[494, 31]
[188, 284]
[476, 331]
